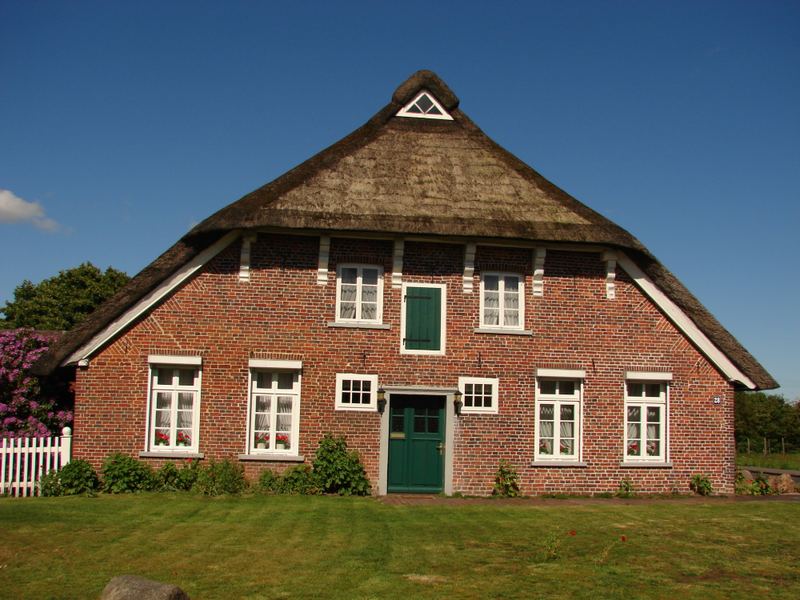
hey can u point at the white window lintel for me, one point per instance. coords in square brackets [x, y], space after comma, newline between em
[164, 359]
[562, 373]
[261, 363]
[648, 376]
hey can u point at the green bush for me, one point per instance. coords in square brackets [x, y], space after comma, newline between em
[217, 478]
[506, 481]
[339, 471]
[123, 473]
[701, 485]
[76, 477]
[172, 479]
[626, 489]
[269, 482]
[299, 479]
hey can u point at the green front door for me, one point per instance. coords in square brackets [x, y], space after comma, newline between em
[416, 444]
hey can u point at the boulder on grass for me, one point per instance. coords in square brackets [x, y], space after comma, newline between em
[131, 587]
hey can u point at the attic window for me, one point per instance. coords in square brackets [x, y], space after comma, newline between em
[424, 106]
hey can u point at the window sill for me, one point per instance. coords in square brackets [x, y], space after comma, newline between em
[365, 408]
[559, 463]
[355, 325]
[171, 454]
[503, 331]
[465, 412]
[645, 465]
[273, 457]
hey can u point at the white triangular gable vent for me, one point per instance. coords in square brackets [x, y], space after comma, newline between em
[424, 106]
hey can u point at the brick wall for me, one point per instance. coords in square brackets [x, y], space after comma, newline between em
[283, 313]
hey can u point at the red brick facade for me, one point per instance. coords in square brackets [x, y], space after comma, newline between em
[283, 313]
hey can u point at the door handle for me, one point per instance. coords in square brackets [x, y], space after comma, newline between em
[440, 447]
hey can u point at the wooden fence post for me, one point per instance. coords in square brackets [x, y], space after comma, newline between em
[66, 446]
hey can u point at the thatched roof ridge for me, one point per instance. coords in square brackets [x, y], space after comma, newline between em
[414, 176]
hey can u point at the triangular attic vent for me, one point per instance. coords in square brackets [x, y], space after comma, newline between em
[424, 106]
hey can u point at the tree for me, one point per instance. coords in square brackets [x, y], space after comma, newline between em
[767, 420]
[24, 410]
[59, 303]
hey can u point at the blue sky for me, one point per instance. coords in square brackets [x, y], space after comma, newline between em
[123, 124]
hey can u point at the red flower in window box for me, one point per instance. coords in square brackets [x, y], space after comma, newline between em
[183, 439]
[633, 448]
[282, 441]
[162, 439]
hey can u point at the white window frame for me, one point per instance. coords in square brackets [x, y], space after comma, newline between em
[257, 366]
[644, 402]
[493, 381]
[372, 406]
[156, 362]
[359, 299]
[575, 399]
[501, 300]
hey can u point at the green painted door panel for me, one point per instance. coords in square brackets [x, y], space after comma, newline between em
[416, 444]
[423, 318]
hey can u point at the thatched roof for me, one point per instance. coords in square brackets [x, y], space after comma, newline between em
[415, 176]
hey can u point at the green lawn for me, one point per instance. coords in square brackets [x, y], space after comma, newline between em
[330, 547]
[771, 461]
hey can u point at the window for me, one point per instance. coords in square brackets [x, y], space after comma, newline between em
[174, 406]
[558, 419]
[356, 392]
[645, 421]
[274, 411]
[479, 394]
[502, 301]
[424, 106]
[359, 294]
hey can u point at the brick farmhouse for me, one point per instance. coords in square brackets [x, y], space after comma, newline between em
[421, 291]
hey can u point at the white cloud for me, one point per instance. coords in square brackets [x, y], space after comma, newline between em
[14, 209]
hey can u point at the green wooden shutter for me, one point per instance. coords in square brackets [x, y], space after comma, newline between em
[423, 318]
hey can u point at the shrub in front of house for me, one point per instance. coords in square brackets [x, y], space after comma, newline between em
[76, 477]
[217, 478]
[172, 479]
[122, 473]
[701, 485]
[506, 481]
[339, 471]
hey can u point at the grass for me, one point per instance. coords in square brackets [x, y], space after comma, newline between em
[770, 461]
[330, 547]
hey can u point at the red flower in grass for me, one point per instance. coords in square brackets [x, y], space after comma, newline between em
[623, 538]
[573, 532]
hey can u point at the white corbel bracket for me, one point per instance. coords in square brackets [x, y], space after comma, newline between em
[538, 271]
[244, 258]
[397, 264]
[324, 255]
[610, 258]
[469, 267]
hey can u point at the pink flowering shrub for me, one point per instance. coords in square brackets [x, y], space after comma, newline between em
[23, 410]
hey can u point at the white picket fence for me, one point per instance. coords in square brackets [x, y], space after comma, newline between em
[23, 461]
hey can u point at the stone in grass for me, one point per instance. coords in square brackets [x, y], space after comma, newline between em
[131, 587]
